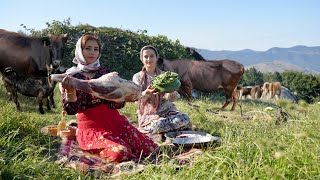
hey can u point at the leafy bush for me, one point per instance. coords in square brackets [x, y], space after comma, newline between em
[120, 51]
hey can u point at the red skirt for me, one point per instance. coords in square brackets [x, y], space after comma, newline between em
[103, 131]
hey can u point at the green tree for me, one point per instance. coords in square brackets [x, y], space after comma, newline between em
[272, 77]
[251, 77]
[305, 86]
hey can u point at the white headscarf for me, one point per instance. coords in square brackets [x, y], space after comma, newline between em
[82, 65]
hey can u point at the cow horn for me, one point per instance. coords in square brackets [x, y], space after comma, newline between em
[8, 69]
[49, 69]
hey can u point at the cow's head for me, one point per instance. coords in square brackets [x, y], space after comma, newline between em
[190, 50]
[162, 64]
[195, 54]
[57, 44]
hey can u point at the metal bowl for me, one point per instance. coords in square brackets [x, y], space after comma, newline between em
[191, 138]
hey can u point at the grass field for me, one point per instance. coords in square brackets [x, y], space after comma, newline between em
[253, 145]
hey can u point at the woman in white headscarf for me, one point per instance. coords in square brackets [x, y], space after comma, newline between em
[101, 129]
[156, 112]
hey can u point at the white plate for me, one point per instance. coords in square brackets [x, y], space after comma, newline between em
[191, 138]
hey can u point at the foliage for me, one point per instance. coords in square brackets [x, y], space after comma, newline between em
[120, 51]
[272, 77]
[305, 86]
[251, 77]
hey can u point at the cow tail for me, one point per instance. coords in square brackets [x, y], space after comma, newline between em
[239, 96]
[242, 71]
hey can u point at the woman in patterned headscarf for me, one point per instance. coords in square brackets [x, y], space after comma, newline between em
[101, 129]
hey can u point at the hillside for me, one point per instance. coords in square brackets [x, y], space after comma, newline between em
[307, 59]
[279, 66]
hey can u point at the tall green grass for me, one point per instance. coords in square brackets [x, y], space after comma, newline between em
[252, 146]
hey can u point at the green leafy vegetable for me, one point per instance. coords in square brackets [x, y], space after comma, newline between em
[165, 79]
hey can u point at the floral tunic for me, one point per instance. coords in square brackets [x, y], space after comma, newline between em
[157, 114]
[102, 130]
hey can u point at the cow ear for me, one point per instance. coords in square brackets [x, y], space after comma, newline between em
[160, 63]
[65, 37]
[45, 41]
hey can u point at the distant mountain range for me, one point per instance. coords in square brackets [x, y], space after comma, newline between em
[298, 58]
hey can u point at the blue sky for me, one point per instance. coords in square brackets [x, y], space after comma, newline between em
[206, 24]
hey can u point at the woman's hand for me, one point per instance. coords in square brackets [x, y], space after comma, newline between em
[150, 90]
[69, 89]
[67, 85]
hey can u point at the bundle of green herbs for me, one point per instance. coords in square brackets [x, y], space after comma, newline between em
[165, 78]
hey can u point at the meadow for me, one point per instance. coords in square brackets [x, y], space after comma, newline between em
[253, 145]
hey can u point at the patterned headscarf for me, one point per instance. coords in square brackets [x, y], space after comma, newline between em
[148, 47]
[82, 65]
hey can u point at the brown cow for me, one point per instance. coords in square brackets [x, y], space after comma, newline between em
[265, 90]
[206, 76]
[254, 92]
[30, 55]
[275, 90]
[244, 92]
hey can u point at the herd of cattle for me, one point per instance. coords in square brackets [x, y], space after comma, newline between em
[267, 91]
[26, 63]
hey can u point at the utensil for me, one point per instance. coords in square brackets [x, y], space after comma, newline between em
[191, 138]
